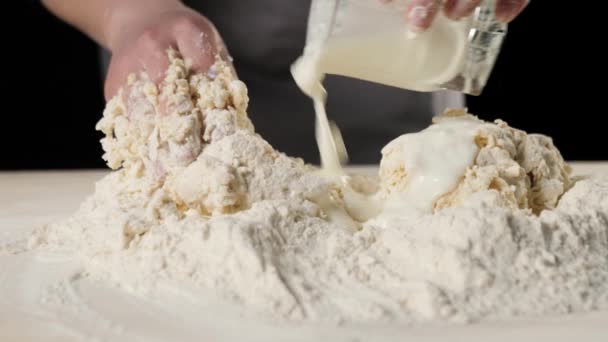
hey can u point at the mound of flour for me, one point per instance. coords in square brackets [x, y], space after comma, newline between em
[198, 199]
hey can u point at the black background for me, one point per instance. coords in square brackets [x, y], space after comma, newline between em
[548, 79]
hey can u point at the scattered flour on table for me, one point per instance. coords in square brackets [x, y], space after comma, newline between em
[197, 198]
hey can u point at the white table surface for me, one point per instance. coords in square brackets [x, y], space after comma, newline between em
[30, 199]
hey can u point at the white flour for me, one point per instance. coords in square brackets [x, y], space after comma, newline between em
[198, 199]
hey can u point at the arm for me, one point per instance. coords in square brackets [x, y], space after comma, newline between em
[97, 18]
[139, 32]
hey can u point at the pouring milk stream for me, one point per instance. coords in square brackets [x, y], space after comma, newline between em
[370, 40]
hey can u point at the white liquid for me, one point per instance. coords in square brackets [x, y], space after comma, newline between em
[420, 62]
[417, 62]
[434, 159]
[437, 157]
[307, 75]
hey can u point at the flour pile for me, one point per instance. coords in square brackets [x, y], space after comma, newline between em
[198, 199]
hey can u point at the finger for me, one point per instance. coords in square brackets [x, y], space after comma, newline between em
[507, 10]
[458, 9]
[197, 48]
[420, 13]
[155, 62]
[150, 55]
[219, 42]
[117, 75]
[199, 43]
[146, 55]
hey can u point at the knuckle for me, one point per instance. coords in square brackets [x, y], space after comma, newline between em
[148, 37]
[149, 40]
[186, 23]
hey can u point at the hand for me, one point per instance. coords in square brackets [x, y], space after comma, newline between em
[139, 38]
[420, 13]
